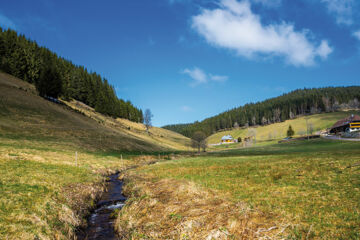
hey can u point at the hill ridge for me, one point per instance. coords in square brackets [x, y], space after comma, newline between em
[287, 106]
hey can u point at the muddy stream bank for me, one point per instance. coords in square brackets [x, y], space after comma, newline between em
[101, 221]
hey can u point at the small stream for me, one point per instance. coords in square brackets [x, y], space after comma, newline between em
[100, 222]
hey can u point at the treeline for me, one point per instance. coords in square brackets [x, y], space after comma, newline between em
[287, 106]
[56, 77]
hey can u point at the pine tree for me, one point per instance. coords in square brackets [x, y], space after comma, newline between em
[49, 84]
[290, 132]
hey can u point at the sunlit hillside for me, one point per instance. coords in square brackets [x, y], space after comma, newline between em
[26, 115]
[52, 161]
[277, 131]
[157, 136]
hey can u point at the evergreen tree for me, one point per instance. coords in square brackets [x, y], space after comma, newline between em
[49, 84]
[54, 76]
[287, 106]
[290, 132]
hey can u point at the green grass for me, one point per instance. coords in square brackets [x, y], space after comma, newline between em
[35, 179]
[44, 192]
[303, 183]
[278, 130]
[26, 116]
[30, 198]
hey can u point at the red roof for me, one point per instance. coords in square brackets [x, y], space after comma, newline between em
[345, 121]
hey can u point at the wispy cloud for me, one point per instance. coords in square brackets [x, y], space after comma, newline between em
[186, 109]
[269, 3]
[357, 35]
[6, 22]
[217, 78]
[198, 76]
[177, 1]
[234, 26]
[342, 10]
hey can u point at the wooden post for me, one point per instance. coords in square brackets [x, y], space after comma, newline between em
[307, 128]
[121, 161]
[76, 160]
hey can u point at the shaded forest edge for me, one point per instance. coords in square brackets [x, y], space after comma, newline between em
[54, 76]
[288, 106]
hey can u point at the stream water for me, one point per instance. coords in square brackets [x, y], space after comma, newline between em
[100, 222]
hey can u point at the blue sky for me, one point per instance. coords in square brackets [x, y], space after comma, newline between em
[187, 60]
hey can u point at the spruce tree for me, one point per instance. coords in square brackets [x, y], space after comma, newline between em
[290, 132]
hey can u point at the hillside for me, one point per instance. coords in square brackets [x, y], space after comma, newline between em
[54, 76]
[162, 137]
[53, 160]
[279, 109]
[276, 131]
[24, 115]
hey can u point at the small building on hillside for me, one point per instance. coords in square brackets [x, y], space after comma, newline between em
[349, 124]
[227, 139]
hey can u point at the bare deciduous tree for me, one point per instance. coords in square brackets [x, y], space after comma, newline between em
[147, 119]
[311, 128]
[264, 120]
[276, 115]
[198, 141]
[252, 134]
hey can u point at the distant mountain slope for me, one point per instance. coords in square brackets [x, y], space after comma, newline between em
[288, 106]
[276, 131]
[24, 115]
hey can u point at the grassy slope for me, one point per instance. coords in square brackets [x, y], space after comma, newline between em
[158, 136]
[305, 184]
[43, 193]
[278, 130]
[24, 114]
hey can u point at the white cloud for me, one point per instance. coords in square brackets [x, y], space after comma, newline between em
[5, 22]
[234, 26]
[269, 3]
[186, 109]
[357, 35]
[198, 76]
[218, 78]
[324, 50]
[342, 9]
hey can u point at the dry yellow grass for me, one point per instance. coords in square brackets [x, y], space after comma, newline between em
[314, 184]
[179, 209]
[45, 192]
[158, 136]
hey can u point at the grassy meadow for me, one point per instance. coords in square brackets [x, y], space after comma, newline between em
[277, 131]
[44, 192]
[307, 185]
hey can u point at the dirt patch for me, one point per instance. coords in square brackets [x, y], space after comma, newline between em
[177, 209]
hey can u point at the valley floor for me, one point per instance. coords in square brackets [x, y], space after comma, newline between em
[298, 190]
[45, 193]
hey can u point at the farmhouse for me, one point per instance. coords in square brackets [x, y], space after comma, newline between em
[227, 139]
[349, 124]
